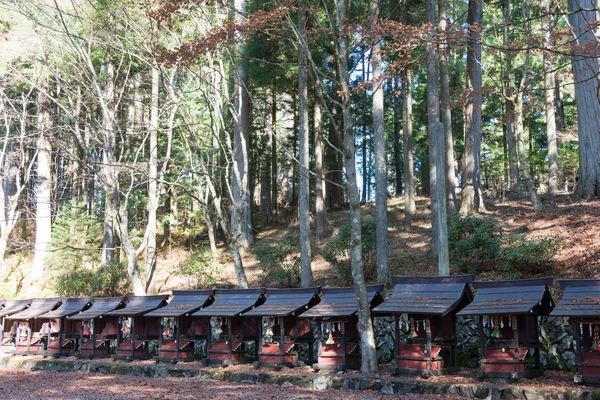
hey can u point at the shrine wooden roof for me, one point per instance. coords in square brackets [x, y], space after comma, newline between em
[37, 308]
[430, 295]
[100, 306]
[284, 302]
[184, 302]
[341, 302]
[581, 298]
[70, 306]
[525, 296]
[14, 306]
[139, 305]
[232, 302]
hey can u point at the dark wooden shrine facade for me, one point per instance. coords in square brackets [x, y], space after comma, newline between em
[509, 310]
[581, 304]
[97, 329]
[135, 331]
[337, 323]
[425, 309]
[32, 332]
[179, 331]
[229, 333]
[8, 328]
[62, 334]
[280, 328]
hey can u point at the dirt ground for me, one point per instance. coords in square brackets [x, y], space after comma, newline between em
[21, 384]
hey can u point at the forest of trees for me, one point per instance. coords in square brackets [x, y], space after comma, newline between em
[125, 121]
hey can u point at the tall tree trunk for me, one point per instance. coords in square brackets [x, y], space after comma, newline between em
[397, 102]
[153, 195]
[549, 100]
[133, 270]
[365, 163]
[365, 324]
[586, 67]
[472, 151]
[242, 209]
[559, 107]
[437, 176]
[321, 218]
[109, 178]
[274, 154]
[509, 93]
[409, 169]
[446, 111]
[43, 193]
[381, 195]
[524, 164]
[306, 277]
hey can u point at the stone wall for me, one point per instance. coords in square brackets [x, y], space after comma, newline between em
[556, 339]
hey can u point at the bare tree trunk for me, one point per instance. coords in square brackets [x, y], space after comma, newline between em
[472, 152]
[381, 195]
[109, 178]
[321, 218]
[437, 175]
[241, 181]
[524, 164]
[549, 100]
[409, 169]
[446, 111]
[365, 163]
[274, 155]
[133, 270]
[559, 107]
[395, 82]
[586, 67]
[153, 195]
[306, 277]
[365, 324]
[510, 90]
[43, 194]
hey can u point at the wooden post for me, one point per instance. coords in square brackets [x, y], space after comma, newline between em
[208, 339]
[281, 339]
[428, 335]
[319, 338]
[453, 344]
[538, 364]
[397, 341]
[579, 350]
[344, 344]
[481, 345]
[259, 330]
[93, 325]
[516, 343]
[230, 337]
[178, 337]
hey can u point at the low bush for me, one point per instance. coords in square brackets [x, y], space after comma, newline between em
[200, 270]
[106, 281]
[280, 259]
[337, 251]
[478, 244]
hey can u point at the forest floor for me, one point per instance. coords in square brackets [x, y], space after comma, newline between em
[47, 385]
[575, 221]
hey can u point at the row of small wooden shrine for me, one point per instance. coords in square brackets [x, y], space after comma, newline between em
[279, 321]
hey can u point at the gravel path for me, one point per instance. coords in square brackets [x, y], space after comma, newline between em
[21, 384]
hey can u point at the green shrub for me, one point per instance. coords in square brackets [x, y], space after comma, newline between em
[337, 250]
[530, 255]
[474, 243]
[280, 259]
[106, 281]
[200, 269]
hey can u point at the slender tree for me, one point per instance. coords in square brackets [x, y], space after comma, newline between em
[409, 172]
[304, 192]
[549, 100]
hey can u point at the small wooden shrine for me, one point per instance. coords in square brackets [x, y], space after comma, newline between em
[136, 331]
[63, 333]
[280, 328]
[32, 332]
[229, 333]
[581, 305]
[508, 311]
[424, 309]
[96, 329]
[337, 321]
[9, 328]
[179, 331]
